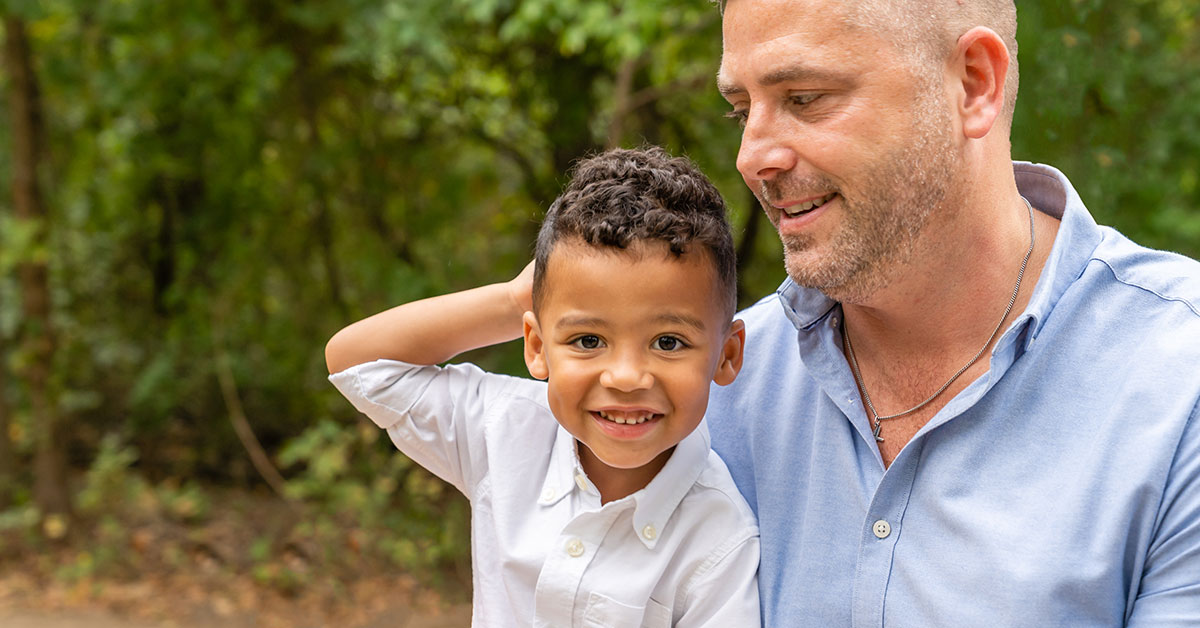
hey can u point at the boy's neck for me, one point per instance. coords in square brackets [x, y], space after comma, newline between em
[614, 483]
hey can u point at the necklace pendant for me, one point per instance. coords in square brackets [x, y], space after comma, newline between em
[878, 427]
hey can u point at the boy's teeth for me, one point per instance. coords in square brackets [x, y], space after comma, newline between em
[810, 205]
[627, 419]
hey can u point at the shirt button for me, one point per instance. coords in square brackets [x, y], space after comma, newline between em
[581, 482]
[548, 494]
[649, 532]
[833, 322]
[575, 548]
[881, 529]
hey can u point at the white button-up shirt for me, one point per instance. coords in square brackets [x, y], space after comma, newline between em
[681, 552]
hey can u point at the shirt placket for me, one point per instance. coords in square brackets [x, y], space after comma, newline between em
[558, 585]
[882, 526]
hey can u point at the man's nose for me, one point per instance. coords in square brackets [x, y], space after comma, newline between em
[765, 151]
[626, 373]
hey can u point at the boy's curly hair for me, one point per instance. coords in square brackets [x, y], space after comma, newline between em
[623, 196]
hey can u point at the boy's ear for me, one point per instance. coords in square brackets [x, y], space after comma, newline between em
[535, 348]
[731, 354]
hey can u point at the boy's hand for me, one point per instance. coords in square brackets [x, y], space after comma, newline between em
[520, 290]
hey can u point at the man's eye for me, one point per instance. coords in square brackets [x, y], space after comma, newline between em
[668, 343]
[803, 99]
[739, 115]
[587, 342]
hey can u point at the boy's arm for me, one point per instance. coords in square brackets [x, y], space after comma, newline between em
[436, 329]
[728, 594]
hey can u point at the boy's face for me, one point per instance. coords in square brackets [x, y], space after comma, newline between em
[629, 342]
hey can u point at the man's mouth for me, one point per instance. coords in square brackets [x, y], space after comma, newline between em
[627, 418]
[807, 206]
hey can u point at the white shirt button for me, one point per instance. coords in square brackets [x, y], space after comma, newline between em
[649, 532]
[548, 494]
[574, 548]
[581, 482]
[881, 529]
[833, 322]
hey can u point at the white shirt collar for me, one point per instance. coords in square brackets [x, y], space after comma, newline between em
[652, 505]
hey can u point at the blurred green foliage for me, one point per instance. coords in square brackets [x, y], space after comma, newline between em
[249, 176]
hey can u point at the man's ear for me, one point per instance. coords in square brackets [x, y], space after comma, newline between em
[982, 67]
[731, 354]
[535, 348]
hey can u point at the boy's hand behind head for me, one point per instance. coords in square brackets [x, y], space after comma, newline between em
[520, 289]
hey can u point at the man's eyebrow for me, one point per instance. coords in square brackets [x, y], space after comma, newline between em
[788, 74]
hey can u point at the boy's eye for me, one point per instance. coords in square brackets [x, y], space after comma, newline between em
[587, 342]
[668, 343]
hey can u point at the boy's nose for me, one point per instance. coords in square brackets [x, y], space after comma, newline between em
[626, 375]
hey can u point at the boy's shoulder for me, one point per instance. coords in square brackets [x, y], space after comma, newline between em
[715, 492]
[711, 512]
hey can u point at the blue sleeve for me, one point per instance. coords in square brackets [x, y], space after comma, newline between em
[1169, 595]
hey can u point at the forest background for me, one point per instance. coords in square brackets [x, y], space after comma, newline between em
[195, 195]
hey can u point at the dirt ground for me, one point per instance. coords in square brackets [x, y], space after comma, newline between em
[249, 562]
[200, 601]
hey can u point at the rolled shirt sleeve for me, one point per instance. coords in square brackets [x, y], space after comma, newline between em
[433, 414]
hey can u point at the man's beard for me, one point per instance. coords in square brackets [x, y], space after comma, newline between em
[883, 215]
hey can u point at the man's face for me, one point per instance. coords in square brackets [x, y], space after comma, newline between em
[848, 149]
[630, 342]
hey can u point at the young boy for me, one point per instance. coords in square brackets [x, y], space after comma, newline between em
[618, 514]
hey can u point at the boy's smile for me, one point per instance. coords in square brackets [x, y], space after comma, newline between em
[629, 341]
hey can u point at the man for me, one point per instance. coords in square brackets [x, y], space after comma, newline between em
[969, 405]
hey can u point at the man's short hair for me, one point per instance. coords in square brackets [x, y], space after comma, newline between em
[622, 196]
[928, 29]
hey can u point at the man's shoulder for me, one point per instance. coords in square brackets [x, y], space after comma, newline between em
[765, 316]
[1166, 283]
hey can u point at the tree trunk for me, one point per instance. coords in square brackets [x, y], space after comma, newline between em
[50, 478]
[7, 464]
[746, 247]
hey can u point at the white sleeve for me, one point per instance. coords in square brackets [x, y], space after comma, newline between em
[727, 594]
[435, 415]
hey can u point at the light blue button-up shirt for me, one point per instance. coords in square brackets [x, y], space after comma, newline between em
[1061, 488]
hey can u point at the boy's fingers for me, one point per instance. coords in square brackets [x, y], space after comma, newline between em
[521, 289]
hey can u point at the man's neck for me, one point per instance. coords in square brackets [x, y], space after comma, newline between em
[949, 296]
[940, 309]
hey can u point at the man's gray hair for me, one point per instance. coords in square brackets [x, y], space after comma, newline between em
[927, 30]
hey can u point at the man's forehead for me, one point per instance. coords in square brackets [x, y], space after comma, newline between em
[768, 42]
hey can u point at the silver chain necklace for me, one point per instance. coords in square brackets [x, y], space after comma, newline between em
[878, 420]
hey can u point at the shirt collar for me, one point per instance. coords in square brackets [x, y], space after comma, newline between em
[1049, 191]
[1078, 235]
[653, 505]
[564, 466]
[657, 502]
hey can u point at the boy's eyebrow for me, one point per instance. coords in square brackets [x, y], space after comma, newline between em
[665, 317]
[581, 321]
[680, 319]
